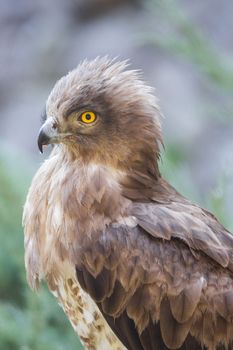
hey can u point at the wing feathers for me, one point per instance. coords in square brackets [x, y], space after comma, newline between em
[173, 332]
[116, 303]
[98, 287]
[224, 305]
[184, 304]
[166, 283]
[149, 286]
[125, 329]
[168, 222]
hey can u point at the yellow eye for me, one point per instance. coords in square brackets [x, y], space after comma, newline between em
[88, 117]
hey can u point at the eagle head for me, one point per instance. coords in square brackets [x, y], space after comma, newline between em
[101, 112]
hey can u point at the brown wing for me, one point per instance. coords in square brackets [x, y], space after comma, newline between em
[195, 227]
[177, 217]
[163, 284]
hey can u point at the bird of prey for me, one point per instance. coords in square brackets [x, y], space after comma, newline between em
[133, 263]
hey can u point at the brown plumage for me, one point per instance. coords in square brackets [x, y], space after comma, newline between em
[133, 263]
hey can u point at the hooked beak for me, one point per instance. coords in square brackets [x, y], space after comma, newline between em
[48, 133]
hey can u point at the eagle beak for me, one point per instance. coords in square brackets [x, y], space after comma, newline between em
[48, 133]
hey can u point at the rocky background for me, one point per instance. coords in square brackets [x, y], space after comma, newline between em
[184, 49]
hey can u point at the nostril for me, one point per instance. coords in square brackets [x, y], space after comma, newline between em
[54, 125]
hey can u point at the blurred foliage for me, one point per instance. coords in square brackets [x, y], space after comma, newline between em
[28, 321]
[174, 167]
[177, 35]
[187, 40]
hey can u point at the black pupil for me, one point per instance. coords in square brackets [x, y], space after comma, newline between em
[88, 116]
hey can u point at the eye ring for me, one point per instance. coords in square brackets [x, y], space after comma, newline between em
[88, 117]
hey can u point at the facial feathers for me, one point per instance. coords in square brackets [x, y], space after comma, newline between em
[128, 126]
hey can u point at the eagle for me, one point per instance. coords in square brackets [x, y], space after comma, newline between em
[133, 263]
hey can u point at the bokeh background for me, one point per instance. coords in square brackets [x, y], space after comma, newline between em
[184, 49]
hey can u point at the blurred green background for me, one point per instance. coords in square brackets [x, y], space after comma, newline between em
[183, 53]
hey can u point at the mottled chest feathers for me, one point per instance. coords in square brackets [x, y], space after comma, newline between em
[71, 205]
